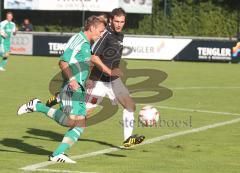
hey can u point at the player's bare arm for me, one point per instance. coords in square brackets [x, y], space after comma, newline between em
[98, 62]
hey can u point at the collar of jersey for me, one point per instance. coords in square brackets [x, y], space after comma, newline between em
[84, 36]
[108, 27]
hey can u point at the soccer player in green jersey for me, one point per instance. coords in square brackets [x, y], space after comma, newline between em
[74, 64]
[7, 29]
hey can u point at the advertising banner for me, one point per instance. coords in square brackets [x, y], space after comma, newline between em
[208, 50]
[137, 6]
[236, 52]
[131, 6]
[139, 47]
[153, 48]
[21, 44]
[89, 5]
[49, 45]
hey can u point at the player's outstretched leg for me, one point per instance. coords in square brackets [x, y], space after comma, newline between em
[35, 105]
[71, 136]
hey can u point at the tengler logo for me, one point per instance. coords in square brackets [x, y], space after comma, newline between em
[236, 50]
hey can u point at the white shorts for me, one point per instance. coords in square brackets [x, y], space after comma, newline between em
[114, 90]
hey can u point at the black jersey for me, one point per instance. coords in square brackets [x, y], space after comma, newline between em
[109, 49]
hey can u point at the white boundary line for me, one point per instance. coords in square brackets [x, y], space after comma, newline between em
[36, 167]
[184, 88]
[194, 110]
[209, 87]
[60, 171]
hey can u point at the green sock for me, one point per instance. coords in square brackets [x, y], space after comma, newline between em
[40, 107]
[4, 62]
[73, 135]
[56, 114]
[61, 148]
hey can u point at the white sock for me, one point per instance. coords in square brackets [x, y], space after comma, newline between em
[128, 123]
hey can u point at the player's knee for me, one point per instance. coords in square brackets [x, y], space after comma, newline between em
[77, 121]
[131, 105]
[89, 112]
[134, 107]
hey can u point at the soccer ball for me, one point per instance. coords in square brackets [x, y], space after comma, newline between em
[148, 115]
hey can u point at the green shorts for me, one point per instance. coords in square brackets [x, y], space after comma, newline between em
[73, 102]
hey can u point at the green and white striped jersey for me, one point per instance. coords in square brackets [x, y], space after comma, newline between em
[7, 28]
[77, 54]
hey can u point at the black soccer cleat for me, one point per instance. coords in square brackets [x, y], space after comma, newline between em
[133, 140]
[139, 139]
[53, 100]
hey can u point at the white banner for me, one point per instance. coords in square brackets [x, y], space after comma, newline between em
[22, 44]
[131, 6]
[137, 6]
[153, 48]
[21, 4]
[89, 5]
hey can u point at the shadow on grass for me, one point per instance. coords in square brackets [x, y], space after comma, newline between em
[46, 135]
[24, 147]
[41, 134]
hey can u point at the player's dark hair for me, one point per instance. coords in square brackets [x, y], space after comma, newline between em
[118, 12]
[93, 21]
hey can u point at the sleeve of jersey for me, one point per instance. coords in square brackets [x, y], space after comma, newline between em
[66, 56]
[2, 29]
[1, 25]
[100, 45]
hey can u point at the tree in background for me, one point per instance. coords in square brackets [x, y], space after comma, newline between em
[191, 18]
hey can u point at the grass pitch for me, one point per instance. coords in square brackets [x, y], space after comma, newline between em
[199, 94]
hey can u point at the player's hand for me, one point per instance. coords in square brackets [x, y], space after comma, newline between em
[73, 85]
[3, 35]
[89, 84]
[116, 72]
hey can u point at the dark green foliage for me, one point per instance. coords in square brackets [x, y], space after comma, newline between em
[192, 18]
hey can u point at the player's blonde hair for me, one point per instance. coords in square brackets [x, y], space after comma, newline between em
[104, 17]
[93, 21]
